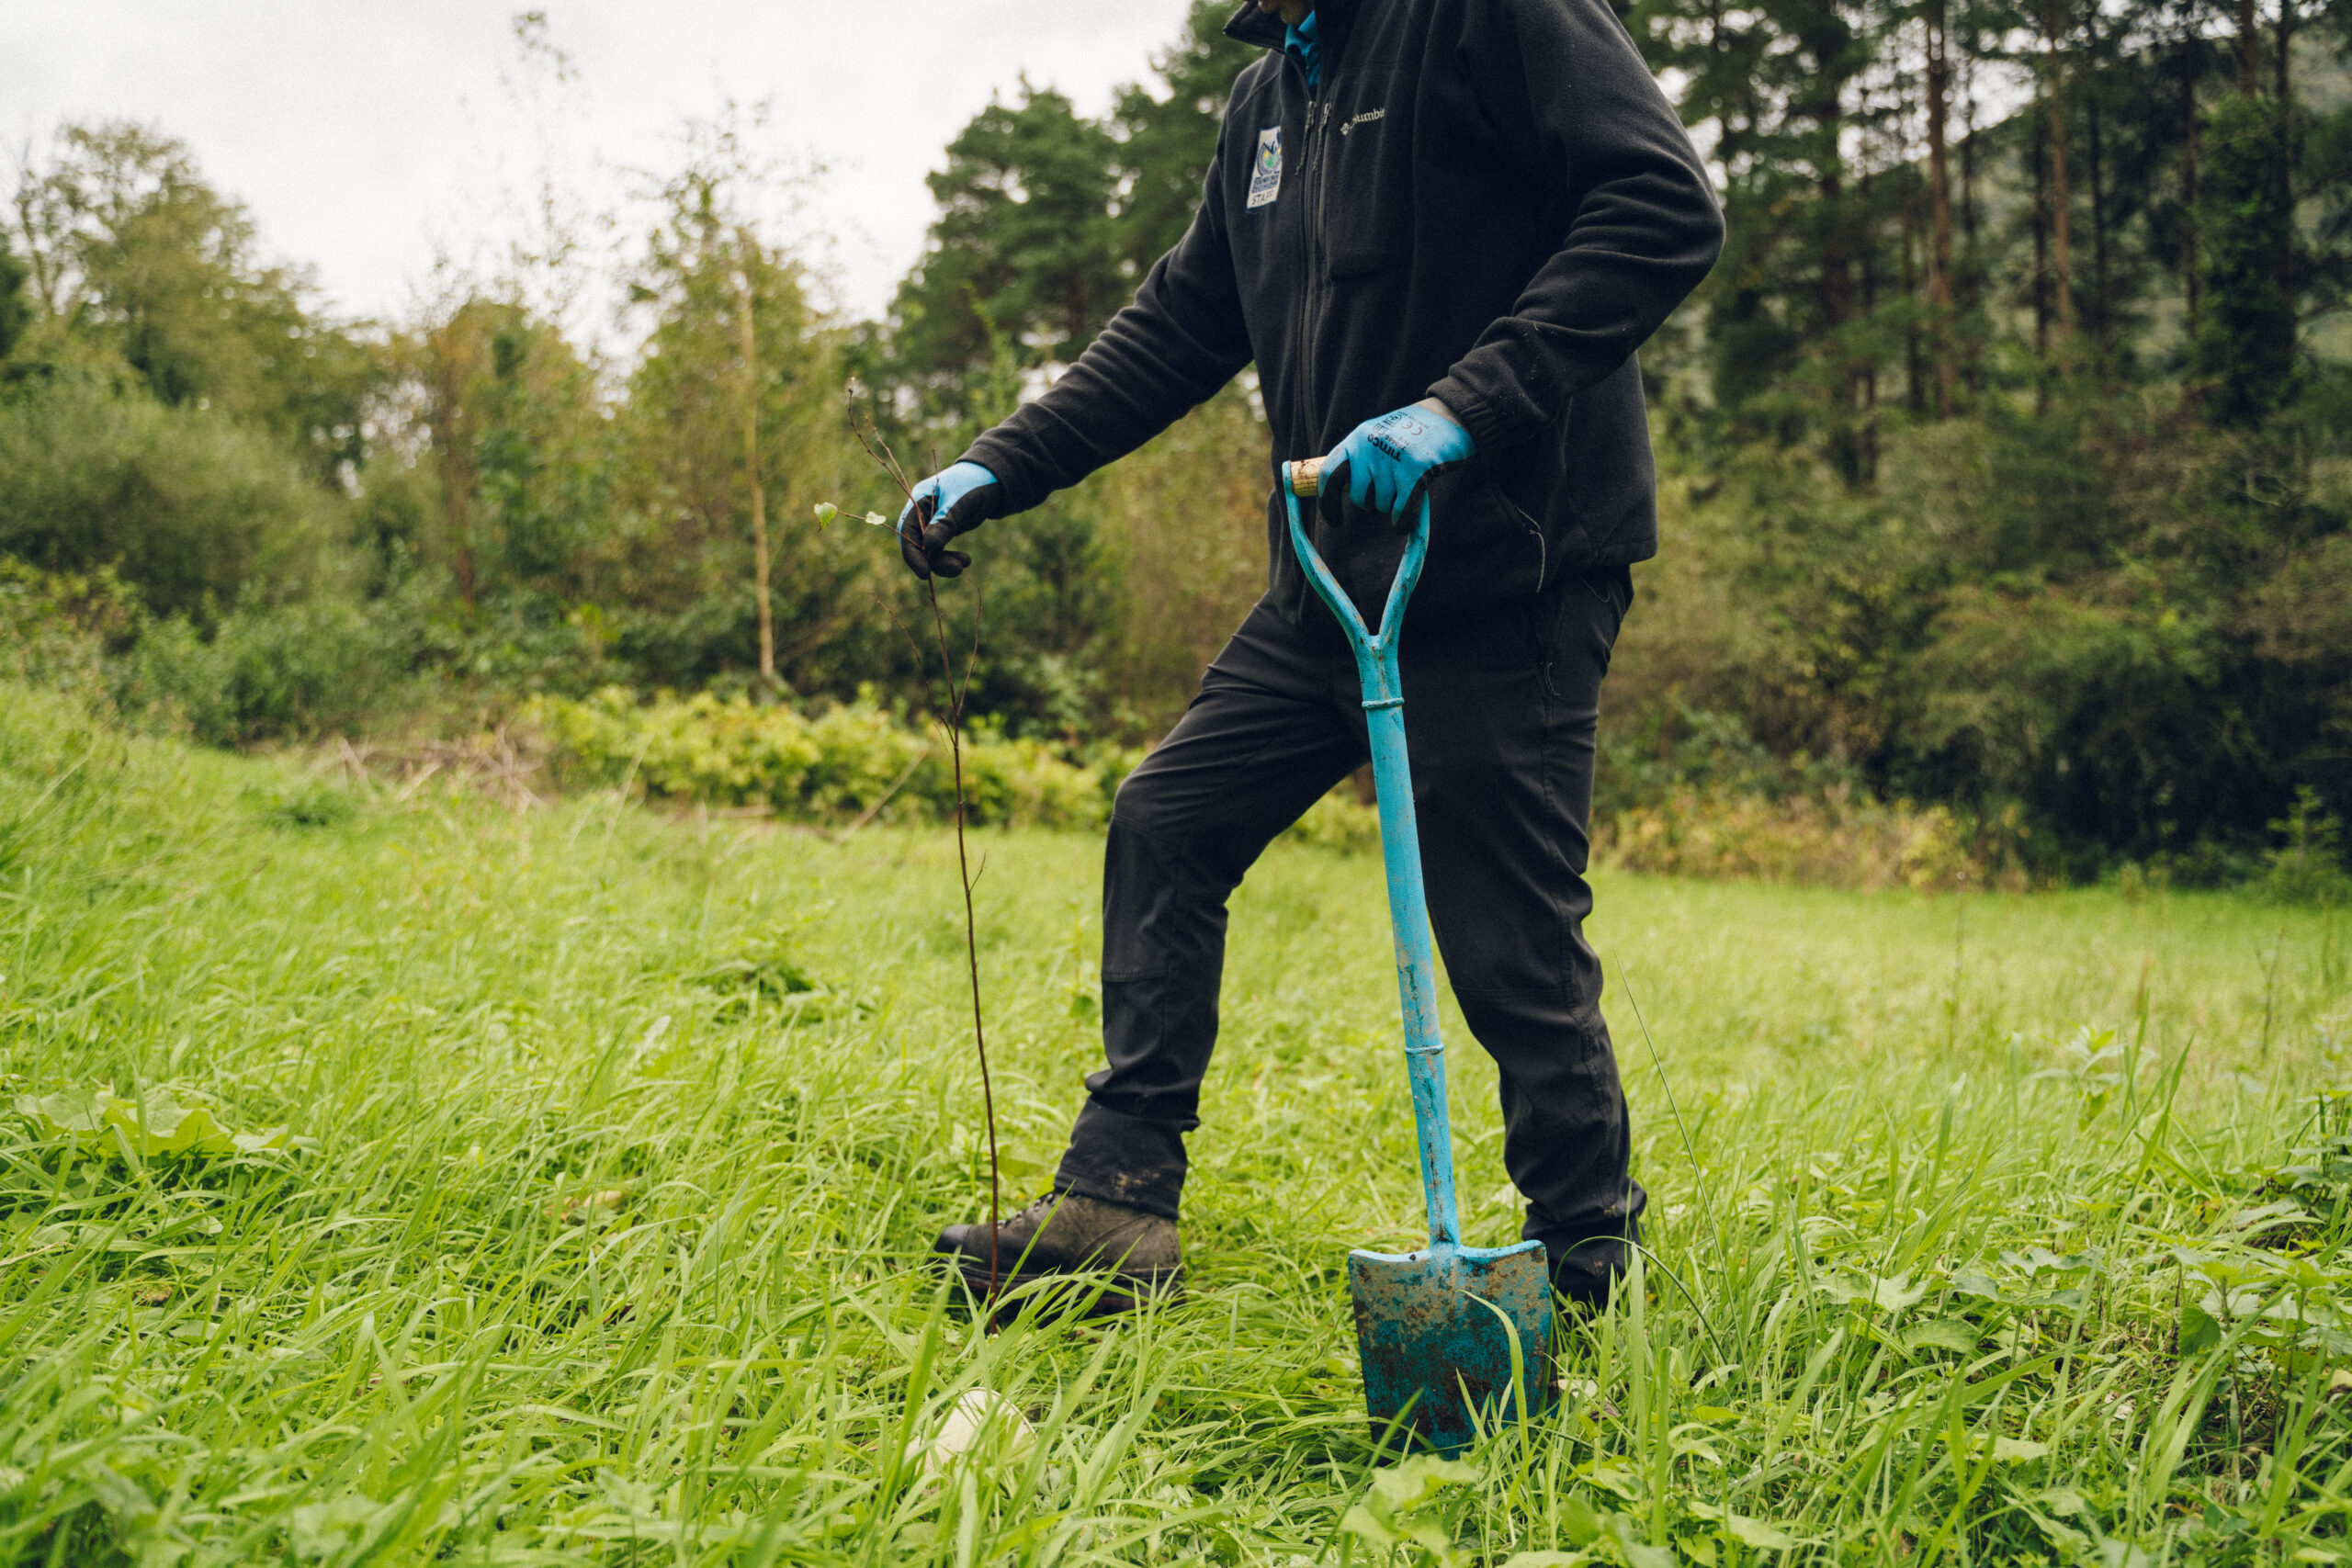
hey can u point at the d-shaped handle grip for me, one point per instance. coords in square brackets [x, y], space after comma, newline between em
[1375, 651]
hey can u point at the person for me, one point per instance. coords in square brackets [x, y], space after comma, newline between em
[1440, 229]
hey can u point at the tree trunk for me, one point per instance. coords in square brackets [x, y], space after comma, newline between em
[452, 373]
[2287, 149]
[2040, 236]
[2103, 319]
[1939, 210]
[1866, 380]
[2286, 38]
[2189, 269]
[1826, 108]
[2249, 50]
[1916, 376]
[755, 480]
[1837, 270]
[1968, 162]
[2061, 250]
[1970, 282]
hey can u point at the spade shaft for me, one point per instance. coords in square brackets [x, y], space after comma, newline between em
[1400, 845]
[1447, 1332]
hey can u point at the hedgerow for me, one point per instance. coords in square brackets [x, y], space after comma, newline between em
[836, 764]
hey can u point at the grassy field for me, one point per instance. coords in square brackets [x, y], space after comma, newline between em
[568, 1226]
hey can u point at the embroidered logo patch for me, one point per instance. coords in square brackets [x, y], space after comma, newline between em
[1266, 175]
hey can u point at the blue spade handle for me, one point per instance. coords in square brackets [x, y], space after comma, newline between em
[1400, 842]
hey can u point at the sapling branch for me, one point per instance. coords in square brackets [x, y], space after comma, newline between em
[958, 688]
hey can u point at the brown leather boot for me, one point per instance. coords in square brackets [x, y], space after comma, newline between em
[1063, 1233]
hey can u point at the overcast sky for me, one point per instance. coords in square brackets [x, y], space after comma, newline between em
[366, 134]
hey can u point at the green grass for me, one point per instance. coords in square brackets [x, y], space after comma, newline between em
[600, 1244]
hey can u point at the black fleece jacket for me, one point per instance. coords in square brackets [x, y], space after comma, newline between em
[1488, 201]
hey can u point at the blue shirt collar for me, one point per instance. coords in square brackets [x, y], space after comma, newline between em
[1299, 43]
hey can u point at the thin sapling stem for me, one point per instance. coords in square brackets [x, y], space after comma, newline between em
[971, 927]
[957, 689]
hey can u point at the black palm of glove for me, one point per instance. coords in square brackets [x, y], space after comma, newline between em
[954, 501]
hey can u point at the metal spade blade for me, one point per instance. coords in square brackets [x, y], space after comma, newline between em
[1444, 1333]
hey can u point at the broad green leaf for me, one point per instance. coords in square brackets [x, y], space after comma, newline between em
[1417, 1480]
[331, 1530]
[1578, 1518]
[1893, 1295]
[1757, 1533]
[1976, 1283]
[100, 1123]
[1942, 1334]
[2200, 1330]
[1898, 1293]
[1639, 1552]
[1612, 1478]
[1384, 1518]
[58, 1115]
[1360, 1522]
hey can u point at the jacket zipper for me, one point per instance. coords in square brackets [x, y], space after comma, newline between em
[1311, 315]
[1310, 227]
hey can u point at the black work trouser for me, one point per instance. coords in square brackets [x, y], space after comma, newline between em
[1499, 714]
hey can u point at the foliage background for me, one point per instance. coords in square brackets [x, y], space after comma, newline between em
[2006, 456]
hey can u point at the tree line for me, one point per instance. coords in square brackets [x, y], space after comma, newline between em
[2006, 454]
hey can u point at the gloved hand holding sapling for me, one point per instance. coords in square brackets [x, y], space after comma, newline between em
[956, 500]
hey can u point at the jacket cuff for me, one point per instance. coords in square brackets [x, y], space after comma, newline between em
[1489, 429]
[1020, 490]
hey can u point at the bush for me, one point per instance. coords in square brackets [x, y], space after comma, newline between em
[2309, 867]
[262, 672]
[319, 666]
[55, 628]
[1338, 821]
[1836, 839]
[831, 766]
[2128, 624]
[193, 511]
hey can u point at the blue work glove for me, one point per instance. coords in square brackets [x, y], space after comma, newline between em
[1388, 459]
[954, 501]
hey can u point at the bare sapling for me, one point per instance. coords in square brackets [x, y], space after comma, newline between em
[958, 685]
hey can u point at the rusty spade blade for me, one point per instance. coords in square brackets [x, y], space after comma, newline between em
[1444, 1333]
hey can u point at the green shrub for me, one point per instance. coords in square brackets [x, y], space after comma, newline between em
[305, 802]
[1835, 838]
[1338, 821]
[194, 511]
[56, 629]
[2309, 867]
[313, 667]
[293, 671]
[831, 766]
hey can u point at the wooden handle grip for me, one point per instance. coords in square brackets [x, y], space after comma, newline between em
[1307, 478]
